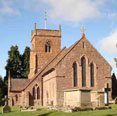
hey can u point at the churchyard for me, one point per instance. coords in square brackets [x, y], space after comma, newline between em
[15, 111]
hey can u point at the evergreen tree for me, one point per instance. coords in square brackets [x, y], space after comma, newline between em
[14, 63]
[114, 86]
[1, 86]
[25, 62]
[17, 64]
[3, 90]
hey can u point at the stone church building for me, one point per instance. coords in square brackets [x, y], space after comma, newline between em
[74, 76]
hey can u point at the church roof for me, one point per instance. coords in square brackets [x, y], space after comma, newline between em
[18, 84]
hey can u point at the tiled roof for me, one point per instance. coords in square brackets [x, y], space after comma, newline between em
[18, 84]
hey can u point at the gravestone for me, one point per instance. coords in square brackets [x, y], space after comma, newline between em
[6, 107]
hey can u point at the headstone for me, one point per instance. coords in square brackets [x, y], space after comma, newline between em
[6, 107]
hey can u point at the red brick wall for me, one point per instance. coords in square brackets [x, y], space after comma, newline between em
[39, 38]
[64, 68]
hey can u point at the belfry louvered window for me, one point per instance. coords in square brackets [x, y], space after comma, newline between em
[48, 47]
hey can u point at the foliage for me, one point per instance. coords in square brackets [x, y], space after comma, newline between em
[17, 64]
[1, 85]
[2, 90]
[75, 109]
[14, 62]
[25, 62]
[114, 86]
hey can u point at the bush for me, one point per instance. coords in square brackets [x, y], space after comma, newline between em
[103, 108]
[75, 109]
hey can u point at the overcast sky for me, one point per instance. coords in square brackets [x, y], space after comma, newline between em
[99, 17]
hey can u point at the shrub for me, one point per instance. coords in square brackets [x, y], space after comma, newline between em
[75, 109]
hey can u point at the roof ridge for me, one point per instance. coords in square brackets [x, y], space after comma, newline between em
[70, 48]
[100, 54]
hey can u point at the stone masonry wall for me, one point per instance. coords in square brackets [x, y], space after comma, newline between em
[49, 89]
[64, 68]
[39, 39]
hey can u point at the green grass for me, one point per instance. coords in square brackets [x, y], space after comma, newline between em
[45, 112]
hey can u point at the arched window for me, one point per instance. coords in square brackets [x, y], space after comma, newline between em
[38, 93]
[92, 74]
[83, 64]
[33, 92]
[48, 46]
[74, 74]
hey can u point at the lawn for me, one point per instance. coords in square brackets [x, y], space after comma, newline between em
[45, 112]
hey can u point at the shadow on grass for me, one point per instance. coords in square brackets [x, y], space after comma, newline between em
[45, 114]
[7, 112]
[110, 115]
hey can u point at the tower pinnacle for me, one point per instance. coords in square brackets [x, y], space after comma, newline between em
[35, 26]
[45, 19]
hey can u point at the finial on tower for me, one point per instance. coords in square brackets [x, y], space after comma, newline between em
[115, 59]
[45, 19]
[35, 26]
[82, 30]
[59, 27]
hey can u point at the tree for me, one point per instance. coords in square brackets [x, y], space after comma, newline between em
[25, 62]
[114, 86]
[114, 82]
[3, 89]
[1, 86]
[14, 62]
[17, 64]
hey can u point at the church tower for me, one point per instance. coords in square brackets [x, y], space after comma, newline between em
[45, 44]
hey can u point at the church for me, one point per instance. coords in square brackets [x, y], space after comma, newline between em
[75, 76]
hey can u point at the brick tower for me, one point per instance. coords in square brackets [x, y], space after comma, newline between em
[45, 44]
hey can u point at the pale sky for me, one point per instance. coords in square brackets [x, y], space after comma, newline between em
[99, 17]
